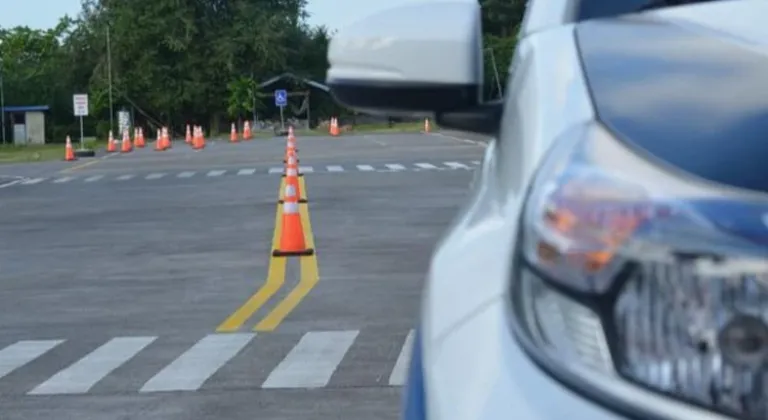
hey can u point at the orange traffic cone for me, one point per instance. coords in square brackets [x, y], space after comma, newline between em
[166, 139]
[188, 137]
[195, 138]
[142, 139]
[247, 131]
[233, 134]
[69, 152]
[111, 147]
[290, 146]
[137, 138]
[198, 140]
[126, 145]
[292, 241]
[291, 176]
[291, 151]
[334, 129]
[159, 141]
[292, 138]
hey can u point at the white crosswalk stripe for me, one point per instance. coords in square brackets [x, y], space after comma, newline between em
[190, 370]
[397, 377]
[312, 362]
[33, 181]
[378, 168]
[22, 352]
[426, 166]
[79, 377]
[456, 165]
[396, 167]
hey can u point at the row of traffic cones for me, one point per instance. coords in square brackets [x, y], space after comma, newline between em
[292, 242]
[335, 131]
[195, 137]
[127, 145]
[333, 127]
[234, 136]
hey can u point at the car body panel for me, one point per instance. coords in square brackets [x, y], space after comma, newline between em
[548, 80]
[473, 368]
[500, 382]
[471, 264]
[692, 92]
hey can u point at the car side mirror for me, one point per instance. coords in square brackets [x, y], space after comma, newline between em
[423, 58]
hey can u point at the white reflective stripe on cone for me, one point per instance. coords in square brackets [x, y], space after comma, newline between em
[290, 207]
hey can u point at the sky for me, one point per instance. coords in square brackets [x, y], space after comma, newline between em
[43, 14]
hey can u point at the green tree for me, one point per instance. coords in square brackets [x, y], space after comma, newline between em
[501, 23]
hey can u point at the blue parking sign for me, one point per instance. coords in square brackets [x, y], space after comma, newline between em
[281, 97]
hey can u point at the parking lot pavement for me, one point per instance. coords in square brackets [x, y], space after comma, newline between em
[134, 298]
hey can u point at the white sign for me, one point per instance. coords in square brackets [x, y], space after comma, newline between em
[80, 102]
[123, 122]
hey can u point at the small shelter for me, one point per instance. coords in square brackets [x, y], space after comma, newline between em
[304, 109]
[27, 122]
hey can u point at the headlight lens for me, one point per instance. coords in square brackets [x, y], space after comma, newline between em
[632, 275]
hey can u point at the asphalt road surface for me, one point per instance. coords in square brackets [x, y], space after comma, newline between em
[141, 286]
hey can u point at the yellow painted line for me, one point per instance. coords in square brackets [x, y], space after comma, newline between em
[275, 280]
[310, 276]
[303, 191]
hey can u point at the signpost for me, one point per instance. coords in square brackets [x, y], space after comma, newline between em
[80, 105]
[281, 100]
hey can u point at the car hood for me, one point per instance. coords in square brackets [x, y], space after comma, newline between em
[687, 84]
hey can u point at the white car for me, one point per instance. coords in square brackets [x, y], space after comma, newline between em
[611, 261]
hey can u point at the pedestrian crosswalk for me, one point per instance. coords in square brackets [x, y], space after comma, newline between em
[276, 170]
[297, 361]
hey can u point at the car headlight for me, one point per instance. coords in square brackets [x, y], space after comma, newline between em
[646, 288]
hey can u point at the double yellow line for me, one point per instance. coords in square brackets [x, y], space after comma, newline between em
[276, 278]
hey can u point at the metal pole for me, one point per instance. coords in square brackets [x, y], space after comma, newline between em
[2, 102]
[496, 73]
[253, 98]
[82, 141]
[282, 120]
[309, 116]
[109, 70]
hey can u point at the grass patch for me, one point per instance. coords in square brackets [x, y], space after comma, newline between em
[41, 152]
[411, 127]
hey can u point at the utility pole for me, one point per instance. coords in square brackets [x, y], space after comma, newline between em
[2, 101]
[253, 99]
[2, 98]
[109, 76]
[496, 72]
